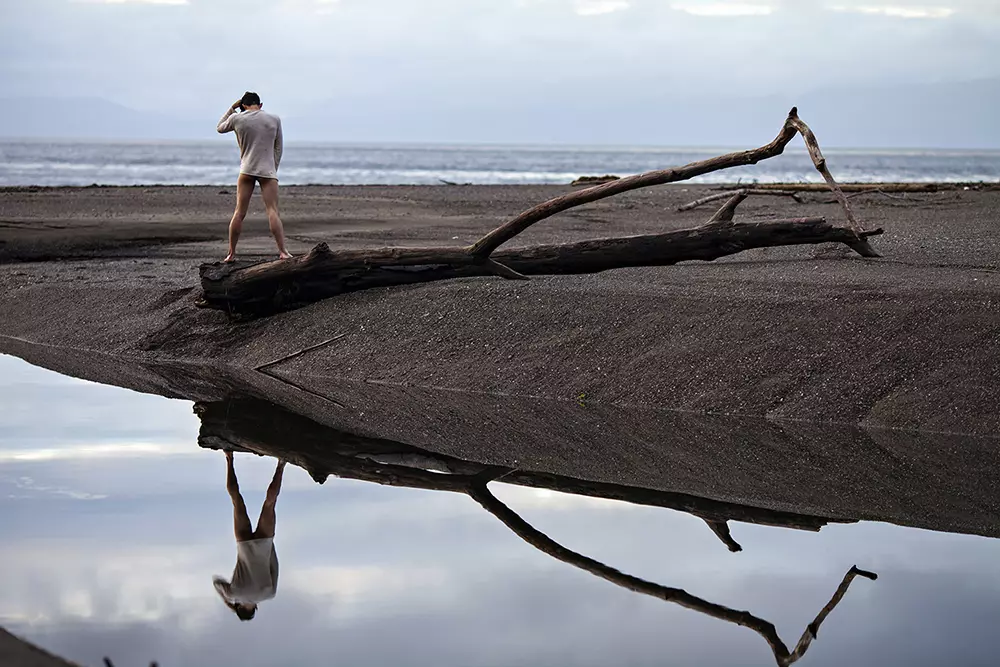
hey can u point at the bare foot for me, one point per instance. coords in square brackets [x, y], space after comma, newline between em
[284, 255]
[230, 258]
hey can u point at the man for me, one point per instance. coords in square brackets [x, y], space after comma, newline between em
[255, 577]
[258, 134]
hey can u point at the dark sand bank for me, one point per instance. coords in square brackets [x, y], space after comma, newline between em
[797, 380]
[802, 333]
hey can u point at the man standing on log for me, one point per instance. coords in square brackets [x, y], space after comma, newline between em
[258, 134]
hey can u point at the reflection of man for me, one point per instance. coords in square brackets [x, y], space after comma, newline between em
[255, 578]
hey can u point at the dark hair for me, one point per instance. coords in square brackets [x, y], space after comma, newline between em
[249, 99]
[244, 613]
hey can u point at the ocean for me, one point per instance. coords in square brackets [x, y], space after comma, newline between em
[50, 163]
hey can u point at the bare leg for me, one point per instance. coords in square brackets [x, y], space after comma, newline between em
[269, 190]
[244, 190]
[266, 521]
[241, 521]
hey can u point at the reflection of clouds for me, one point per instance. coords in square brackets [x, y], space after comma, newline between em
[525, 497]
[449, 585]
[105, 581]
[98, 451]
[27, 484]
[376, 575]
[356, 592]
[46, 411]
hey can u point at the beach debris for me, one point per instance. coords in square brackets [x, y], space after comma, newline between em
[795, 196]
[868, 187]
[270, 287]
[594, 180]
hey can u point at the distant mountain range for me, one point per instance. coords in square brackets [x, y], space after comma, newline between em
[944, 115]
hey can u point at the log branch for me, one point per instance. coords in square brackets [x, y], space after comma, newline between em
[795, 196]
[486, 245]
[867, 187]
[728, 210]
[812, 145]
[783, 657]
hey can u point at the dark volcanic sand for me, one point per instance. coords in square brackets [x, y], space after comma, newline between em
[808, 333]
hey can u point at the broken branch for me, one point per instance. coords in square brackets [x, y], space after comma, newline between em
[486, 245]
[747, 191]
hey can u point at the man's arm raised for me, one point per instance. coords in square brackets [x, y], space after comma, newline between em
[228, 118]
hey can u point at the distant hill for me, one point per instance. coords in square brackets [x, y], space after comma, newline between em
[93, 118]
[941, 115]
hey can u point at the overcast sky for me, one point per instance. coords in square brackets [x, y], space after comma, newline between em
[195, 56]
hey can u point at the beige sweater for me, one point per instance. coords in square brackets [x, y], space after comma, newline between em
[259, 135]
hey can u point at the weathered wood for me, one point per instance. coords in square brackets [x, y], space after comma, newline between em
[486, 245]
[865, 187]
[748, 191]
[322, 273]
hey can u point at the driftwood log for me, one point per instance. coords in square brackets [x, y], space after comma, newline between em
[284, 284]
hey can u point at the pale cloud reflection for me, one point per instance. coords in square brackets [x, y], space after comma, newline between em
[108, 582]
[897, 11]
[723, 8]
[116, 450]
[598, 7]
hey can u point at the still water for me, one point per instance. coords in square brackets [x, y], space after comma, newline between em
[115, 521]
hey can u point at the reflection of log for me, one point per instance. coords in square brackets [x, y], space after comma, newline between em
[721, 530]
[260, 427]
[481, 494]
[256, 426]
[322, 273]
[274, 286]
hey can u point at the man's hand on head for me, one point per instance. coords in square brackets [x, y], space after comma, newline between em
[238, 104]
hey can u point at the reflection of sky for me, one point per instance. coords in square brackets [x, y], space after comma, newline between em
[114, 556]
